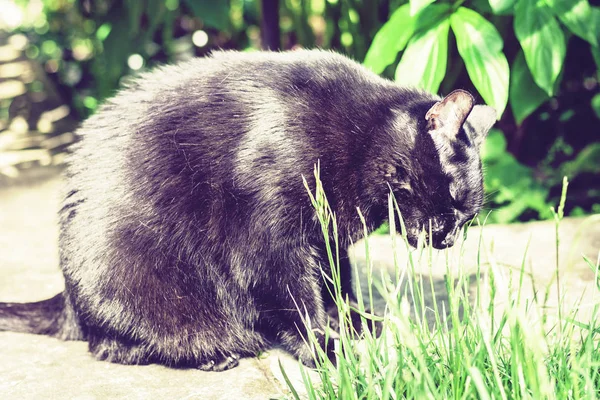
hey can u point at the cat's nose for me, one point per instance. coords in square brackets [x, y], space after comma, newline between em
[442, 234]
[448, 241]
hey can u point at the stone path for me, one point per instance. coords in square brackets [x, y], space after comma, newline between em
[37, 367]
[36, 125]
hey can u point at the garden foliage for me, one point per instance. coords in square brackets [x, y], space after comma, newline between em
[535, 61]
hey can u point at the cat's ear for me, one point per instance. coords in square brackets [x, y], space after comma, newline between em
[481, 119]
[447, 116]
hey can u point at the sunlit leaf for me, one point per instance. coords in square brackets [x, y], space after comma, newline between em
[431, 16]
[423, 63]
[480, 46]
[103, 31]
[390, 39]
[501, 6]
[542, 40]
[595, 102]
[525, 95]
[214, 13]
[494, 146]
[577, 16]
[417, 5]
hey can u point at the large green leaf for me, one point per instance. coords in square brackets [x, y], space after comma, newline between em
[577, 16]
[542, 40]
[431, 16]
[155, 10]
[423, 63]
[596, 49]
[390, 39]
[134, 9]
[417, 5]
[480, 46]
[525, 95]
[214, 13]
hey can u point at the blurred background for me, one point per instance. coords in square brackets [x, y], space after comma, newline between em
[536, 61]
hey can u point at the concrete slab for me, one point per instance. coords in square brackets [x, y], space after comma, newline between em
[35, 367]
[38, 367]
[504, 250]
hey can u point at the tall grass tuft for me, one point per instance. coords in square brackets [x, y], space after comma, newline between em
[465, 347]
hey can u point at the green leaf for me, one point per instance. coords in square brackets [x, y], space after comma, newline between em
[588, 160]
[596, 56]
[512, 185]
[596, 19]
[494, 146]
[596, 49]
[155, 10]
[542, 40]
[525, 95]
[214, 13]
[501, 6]
[480, 46]
[423, 63]
[103, 31]
[417, 5]
[390, 40]
[134, 9]
[111, 63]
[595, 103]
[433, 15]
[577, 16]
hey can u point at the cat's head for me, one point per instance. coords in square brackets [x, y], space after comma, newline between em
[438, 184]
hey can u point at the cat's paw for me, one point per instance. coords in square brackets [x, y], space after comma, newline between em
[355, 321]
[112, 350]
[306, 352]
[222, 363]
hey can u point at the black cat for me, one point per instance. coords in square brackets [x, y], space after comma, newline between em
[187, 235]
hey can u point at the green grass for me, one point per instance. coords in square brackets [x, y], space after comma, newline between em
[465, 347]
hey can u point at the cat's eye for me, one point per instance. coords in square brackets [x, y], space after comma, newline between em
[405, 186]
[456, 203]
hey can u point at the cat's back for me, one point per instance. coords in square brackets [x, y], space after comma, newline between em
[197, 131]
[224, 77]
[217, 100]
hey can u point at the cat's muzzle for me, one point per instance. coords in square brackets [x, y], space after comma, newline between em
[441, 234]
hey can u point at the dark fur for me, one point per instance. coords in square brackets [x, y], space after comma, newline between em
[187, 236]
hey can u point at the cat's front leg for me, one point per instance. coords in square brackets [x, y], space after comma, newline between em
[328, 288]
[305, 318]
[293, 311]
[347, 296]
[118, 349]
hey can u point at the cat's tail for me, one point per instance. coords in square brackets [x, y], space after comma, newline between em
[47, 317]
